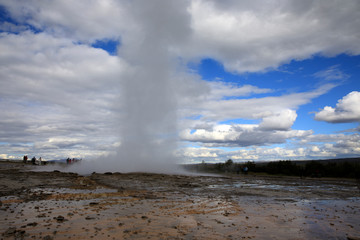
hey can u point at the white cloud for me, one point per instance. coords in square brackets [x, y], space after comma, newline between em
[37, 66]
[257, 35]
[276, 115]
[279, 121]
[332, 73]
[240, 135]
[341, 146]
[200, 153]
[10, 27]
[81, 20]
[54, 88]
[332, 145]
[255, 108]
[242, 155]
[220, 90]
[244, 36]
[347, 110]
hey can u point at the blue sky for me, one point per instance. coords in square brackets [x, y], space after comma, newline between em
[192, 80]
[109, 45]
[298, 76]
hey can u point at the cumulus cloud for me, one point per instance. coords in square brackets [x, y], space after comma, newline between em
[307, 147]
[98, 20]
[245, 37]
[255, 108]
[52, 87]
[279, 121]
[250, 37]
[37, 66]
[243, 155]
[240, 135]
[347, 110]
[339, 145]
[200, 153]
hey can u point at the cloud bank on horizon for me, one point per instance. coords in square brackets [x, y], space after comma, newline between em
[246, 80]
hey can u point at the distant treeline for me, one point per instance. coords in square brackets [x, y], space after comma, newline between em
[338, 168]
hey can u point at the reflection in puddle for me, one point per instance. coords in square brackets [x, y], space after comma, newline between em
[295, 187]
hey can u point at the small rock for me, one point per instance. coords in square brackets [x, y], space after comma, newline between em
[33, 224]
[219, 222]
[60, 218]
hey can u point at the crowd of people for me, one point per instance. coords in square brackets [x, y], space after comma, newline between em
[40, 161]
[34, 160]
[69, 160]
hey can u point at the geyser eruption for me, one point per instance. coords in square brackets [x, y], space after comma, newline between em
[148, 98]
[148, 130]
[149, 121]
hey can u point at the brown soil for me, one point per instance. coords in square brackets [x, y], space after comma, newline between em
[57, 205]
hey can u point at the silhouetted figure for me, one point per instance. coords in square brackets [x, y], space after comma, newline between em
[40, 161]
[245, 170]
[25, 159]
[33, 160]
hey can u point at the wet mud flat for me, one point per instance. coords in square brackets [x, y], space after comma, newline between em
[60, 205]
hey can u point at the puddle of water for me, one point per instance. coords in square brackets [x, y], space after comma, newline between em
[295, 187]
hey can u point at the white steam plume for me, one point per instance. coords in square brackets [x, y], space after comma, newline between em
[148, 118]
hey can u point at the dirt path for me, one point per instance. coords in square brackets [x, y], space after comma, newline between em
[58, 205]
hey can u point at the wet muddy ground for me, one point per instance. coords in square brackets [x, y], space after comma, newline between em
[60, 205]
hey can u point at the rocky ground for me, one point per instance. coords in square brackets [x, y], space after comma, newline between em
[37, 204]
